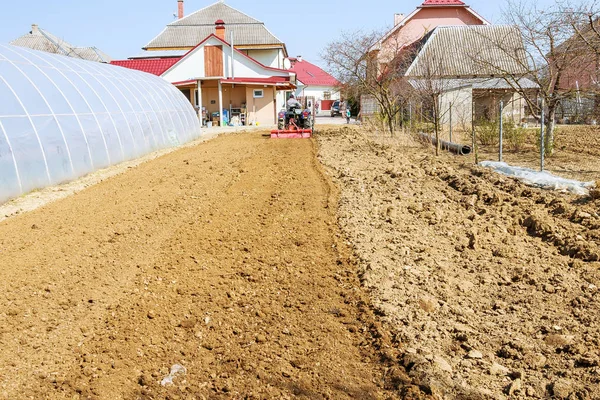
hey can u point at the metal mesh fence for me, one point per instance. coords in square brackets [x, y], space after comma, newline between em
[571, 151]
[576, 146]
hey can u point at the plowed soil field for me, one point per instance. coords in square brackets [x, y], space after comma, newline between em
[216, 271]
[490, 287]
[346, 266]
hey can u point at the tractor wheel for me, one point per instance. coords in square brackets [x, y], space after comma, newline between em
[307, 124]
[281, 125]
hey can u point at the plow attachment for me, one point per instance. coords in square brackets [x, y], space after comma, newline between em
[291, 133]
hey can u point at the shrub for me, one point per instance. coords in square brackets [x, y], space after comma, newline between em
[515, 136]
[487, 132]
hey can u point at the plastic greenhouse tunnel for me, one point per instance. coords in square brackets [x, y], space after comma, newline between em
[62, 118]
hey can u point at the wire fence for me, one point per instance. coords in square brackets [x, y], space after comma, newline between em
[503, 131]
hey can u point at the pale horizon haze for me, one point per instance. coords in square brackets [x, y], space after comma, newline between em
[122, 28]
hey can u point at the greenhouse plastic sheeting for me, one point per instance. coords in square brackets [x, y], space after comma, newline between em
[61, 118]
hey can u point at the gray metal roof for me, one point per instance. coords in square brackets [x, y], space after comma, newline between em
[475, 83]
[208, 16]
[191, 30]
[470, 51]
[501, 83]
[40, 39]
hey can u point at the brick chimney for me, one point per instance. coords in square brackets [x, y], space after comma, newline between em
[220, 29]
[180, 9]
[398, 18]
[35, 29]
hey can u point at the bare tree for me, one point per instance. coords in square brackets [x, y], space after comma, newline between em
[432, 77]
[429, 87]
[354, 62]
[547, 58]
[584, 19]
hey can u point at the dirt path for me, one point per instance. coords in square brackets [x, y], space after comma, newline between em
[224, 258]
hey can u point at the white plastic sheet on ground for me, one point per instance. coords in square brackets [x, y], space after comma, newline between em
[539, 179]
[62, 118]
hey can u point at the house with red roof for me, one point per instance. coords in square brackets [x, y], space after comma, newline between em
[314, 84]
[154, 66]
[228, 64]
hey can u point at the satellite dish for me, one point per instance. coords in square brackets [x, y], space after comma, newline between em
[287, 64]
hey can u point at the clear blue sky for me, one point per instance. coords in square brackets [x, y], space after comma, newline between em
[122, 27]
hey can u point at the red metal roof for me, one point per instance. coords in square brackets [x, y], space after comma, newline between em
[280, 82]
[185, 83]
[270, 80]
[311, 75]
[442, 3]
[155, 66]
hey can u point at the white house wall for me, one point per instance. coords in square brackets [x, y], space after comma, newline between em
[280, 100]
[192, 67]
[271, 58]
[318, 92]
[248, 69]
[459, 102]
[462, 100]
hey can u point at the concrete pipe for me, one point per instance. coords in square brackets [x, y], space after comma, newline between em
[456, 148]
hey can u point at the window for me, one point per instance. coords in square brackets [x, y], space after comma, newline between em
[326, 95]
[186, 93]
[259, 93]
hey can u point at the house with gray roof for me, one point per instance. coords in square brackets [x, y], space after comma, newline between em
[40, 39]
[228, 64]
[472, 68]
[247, 34]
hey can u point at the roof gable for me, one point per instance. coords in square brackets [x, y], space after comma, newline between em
[208, 16]
[39, 39]
[190, 30]
[427, 3]
[241, 57]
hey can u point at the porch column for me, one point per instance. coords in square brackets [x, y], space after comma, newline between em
[199, 83]
[220, 103]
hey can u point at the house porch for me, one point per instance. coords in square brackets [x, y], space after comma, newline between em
[242, 101]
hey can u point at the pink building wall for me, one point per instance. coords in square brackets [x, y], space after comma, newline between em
[262, 109]
[424, 21]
